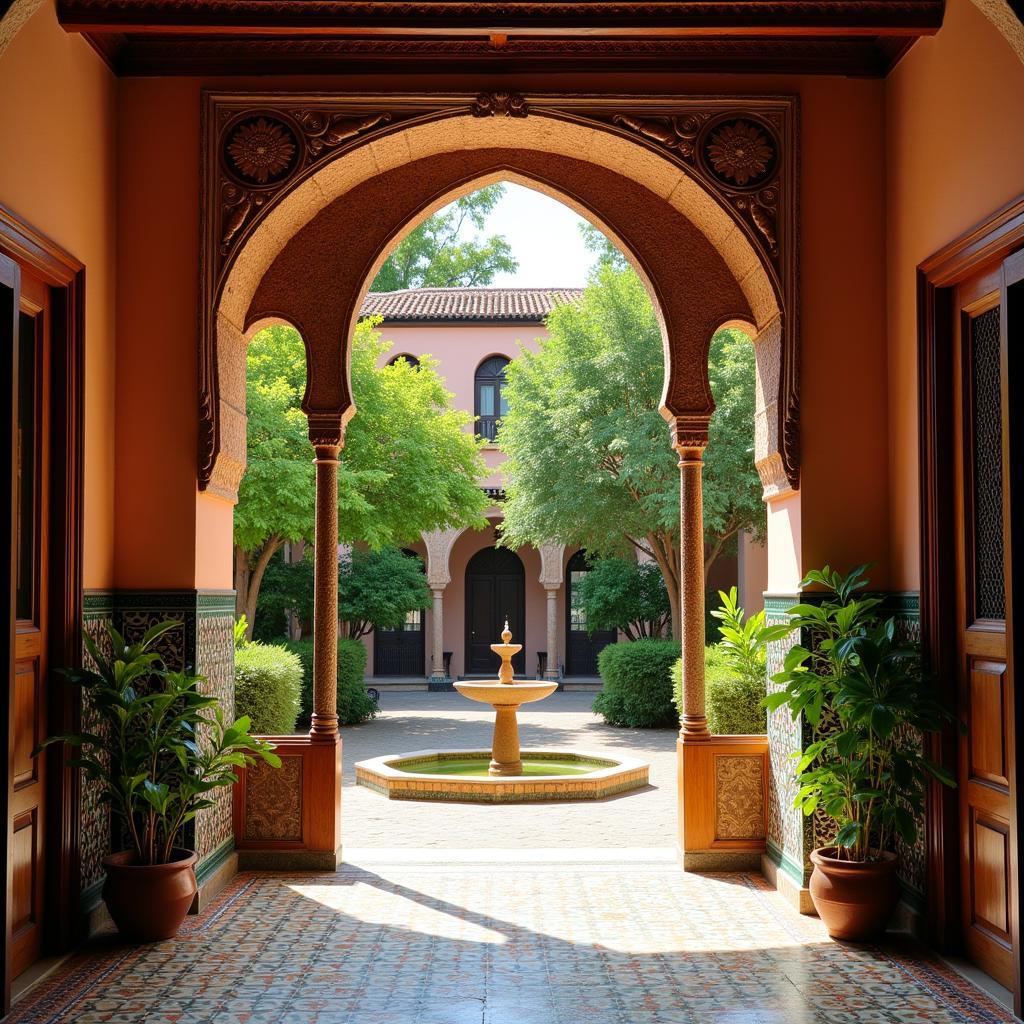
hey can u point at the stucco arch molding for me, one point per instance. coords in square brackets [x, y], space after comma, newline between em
[272, 163]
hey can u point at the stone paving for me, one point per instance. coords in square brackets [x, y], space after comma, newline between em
[420, 721]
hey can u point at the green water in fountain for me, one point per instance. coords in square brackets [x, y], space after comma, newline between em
[477, 766]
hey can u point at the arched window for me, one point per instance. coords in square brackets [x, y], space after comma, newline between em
[411, 360]
[490, 403]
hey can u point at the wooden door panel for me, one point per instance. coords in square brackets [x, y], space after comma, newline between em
[27, 891]
[990, 862]
[987, 701]
[26, 719]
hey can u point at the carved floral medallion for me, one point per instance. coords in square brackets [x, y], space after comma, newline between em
[261, 151]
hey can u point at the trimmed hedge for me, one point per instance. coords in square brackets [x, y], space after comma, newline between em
[731, 701]
[354, 704]
[267, 683]
[637, 684]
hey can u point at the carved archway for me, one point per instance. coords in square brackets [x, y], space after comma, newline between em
[700, 192]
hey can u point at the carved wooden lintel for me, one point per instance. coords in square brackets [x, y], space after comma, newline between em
[499, 104]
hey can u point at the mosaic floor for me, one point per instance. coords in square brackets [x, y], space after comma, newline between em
[521, 942]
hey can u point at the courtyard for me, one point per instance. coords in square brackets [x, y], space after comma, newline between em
[438, 721]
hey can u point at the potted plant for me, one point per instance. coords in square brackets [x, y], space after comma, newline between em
[158, 755]
[864, 695]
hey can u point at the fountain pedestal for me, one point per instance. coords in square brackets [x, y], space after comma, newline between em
[505, 696]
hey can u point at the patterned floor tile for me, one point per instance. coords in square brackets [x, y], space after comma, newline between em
[438, 943]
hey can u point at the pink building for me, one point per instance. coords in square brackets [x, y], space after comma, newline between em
[474, 333]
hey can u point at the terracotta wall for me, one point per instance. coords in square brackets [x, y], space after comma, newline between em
[58, 124]
[955, 153]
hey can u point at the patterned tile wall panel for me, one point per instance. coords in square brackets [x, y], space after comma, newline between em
[739, 796]
[203, 642]
[788, 830]
[95, 816]
[215, 658]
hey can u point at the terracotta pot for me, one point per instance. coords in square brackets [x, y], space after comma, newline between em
[855, 899]
[148, 902]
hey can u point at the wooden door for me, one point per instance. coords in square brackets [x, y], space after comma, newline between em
[495, 592]
[28, 688]
[986, 748]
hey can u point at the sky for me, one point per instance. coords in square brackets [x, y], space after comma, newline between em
[545, 239]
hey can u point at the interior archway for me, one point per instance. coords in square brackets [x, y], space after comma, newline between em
[698, 262]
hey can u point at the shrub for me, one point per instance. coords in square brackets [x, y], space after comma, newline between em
[637, 684]
[354, 703]
[622, 593]
[732, 702]
[267, 681]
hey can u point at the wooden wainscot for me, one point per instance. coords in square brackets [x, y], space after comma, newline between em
[723, 802]
[289, 818]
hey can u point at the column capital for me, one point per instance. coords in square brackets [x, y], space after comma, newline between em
[326, 431]
[690, 435]
[552, 588]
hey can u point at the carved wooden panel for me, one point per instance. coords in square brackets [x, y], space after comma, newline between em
[739, 797]
[273, 802]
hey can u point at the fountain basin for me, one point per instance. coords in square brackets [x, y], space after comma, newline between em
[461, 776]
[506, 694]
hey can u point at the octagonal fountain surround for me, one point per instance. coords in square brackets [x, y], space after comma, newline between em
[505, 773]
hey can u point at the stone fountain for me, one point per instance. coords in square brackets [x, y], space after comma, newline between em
[505, 696]
[503, 774]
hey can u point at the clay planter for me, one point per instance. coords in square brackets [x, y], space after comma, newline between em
[855, 899]
[148, 902]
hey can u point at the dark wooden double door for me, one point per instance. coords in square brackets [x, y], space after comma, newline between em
[984, 404]
[495, 593]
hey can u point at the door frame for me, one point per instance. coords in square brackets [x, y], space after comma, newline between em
[987, 244]
[22, 246]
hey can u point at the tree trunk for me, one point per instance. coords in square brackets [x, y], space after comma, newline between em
[271, 546]
[665, 549]
[241, 580]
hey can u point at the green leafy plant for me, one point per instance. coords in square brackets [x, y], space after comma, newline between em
[241, 632]
[377, 589]
[162, 747]
[734, 704]
[622, 593]
[637, 684]
[863, 692]
[745, 638]
[267, 683]
[355, 705]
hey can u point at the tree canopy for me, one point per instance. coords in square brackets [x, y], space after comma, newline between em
[408, 466]
[622, 593]
[434, 255]
[377, 589]
[589, 459]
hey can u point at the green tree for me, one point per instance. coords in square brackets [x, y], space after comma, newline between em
[622, 593]
[408, 464]
[377, 589]
[433, 254]
[589, 460]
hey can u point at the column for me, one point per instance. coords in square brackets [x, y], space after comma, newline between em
[438, 628]
[325, 596]
[691, 575]
[551, 672]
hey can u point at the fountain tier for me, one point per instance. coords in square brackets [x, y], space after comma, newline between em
[506, 696]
